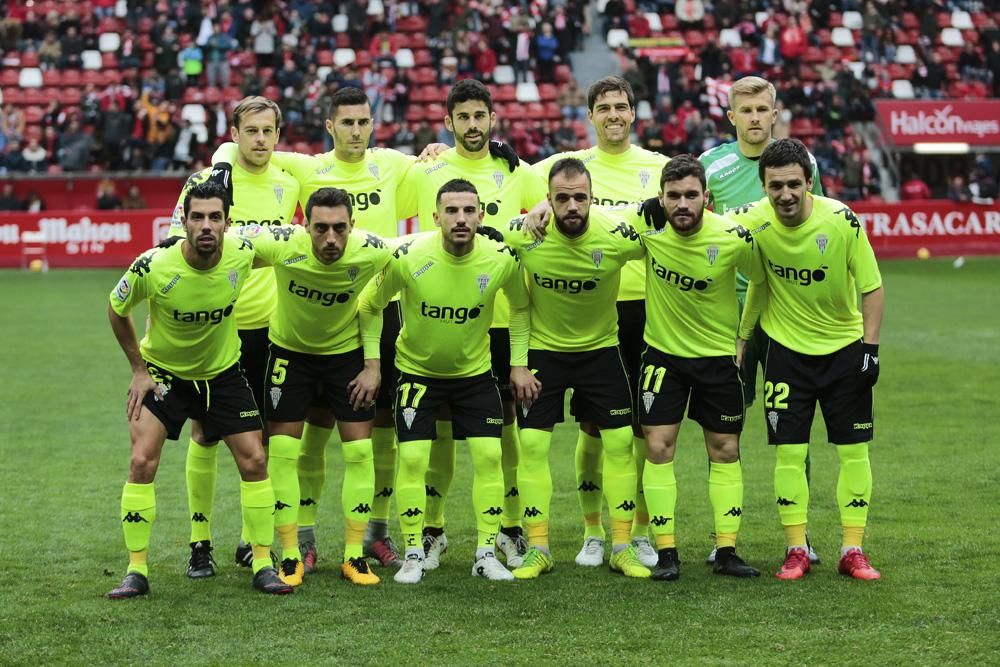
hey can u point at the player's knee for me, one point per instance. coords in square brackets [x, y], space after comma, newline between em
[252, 464]
[660, 450]
[357, 452]
[142, 468]
[724, 449]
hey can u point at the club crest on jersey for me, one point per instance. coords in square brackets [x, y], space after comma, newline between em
[275, 396]
[598, 257]
[373, 170]
[409, 414]
[821, 242]
[483, 280]
[643, 178]
[163, 387]
[279, 193]
[712, 251]
[121, 292]
[498, 179]
[772, 419]
[647, 400]
[233, 278]
[525, 406]
[352, 272]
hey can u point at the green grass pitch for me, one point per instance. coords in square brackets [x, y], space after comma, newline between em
[933, 527]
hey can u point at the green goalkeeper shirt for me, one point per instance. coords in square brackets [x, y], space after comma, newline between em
[625, 178]
[191, 329]
[812, 275]
[269, 198]
[317, 303]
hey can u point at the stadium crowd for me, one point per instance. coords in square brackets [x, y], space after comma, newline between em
[167, 73]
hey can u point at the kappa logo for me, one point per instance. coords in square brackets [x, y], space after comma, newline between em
[431, 491]
[857, 502]
[513, 493]
[372, 241]
[772, 419]
[531, 512]
[741, 232]
[279, 505]
[821, 242]
[169, 286]
[493, 511]
[851, 218]
[386, 492]
[712, 252]
[659, 520]
[306, 502]
[411, 512]
[198, 517]
[362, 508]
[409, 414]
[402, 250]
[587, 485]
[647, 400]
[785, 502]
[133, 517]
[734, 511]
[140, 266]
[282, 233]
[626, 231]
[626, 505]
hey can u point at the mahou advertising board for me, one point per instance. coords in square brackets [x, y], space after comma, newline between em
[115, 238]
[908, 122]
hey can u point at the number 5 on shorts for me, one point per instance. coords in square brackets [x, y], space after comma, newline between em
[779, 391]
[404, 394]
[278, 371]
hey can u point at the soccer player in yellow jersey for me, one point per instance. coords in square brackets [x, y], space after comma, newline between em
[371, 177]
[573, 276]
[316, 359]
[449, 281]
[692, 256]
[187, 367]
[265, 195]
[816, 259]
[622, 173]
[504, 191]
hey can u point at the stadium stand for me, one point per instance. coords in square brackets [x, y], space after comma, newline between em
[146, 85]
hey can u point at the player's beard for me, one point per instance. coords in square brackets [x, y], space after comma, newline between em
[687, 223]
[572, 225]
[757, 138]
[206, 250]
[476, 145]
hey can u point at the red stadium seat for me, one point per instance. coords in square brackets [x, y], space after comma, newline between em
[422, 58]
[412, 24]
[231, 94]
[415, 113]
[195, 95]
[534, 111]
[694, 39]
[145, 25]
[109, 24]
[362, 59]
[669, 22]
[109, 77]
[33, 132]
[435, 111]
[51, 78]
[70, 97]
[33, 115]
[35, 96]
[29, 59]
[506, 93]
[13, 96]
[417, 40]
[272, 92]
[552, 110]
[547, 92]
[424, 76]
[109, 60]
[910, 21]
[88, 76]
[563, 74]
[9, 77]
[324, 58]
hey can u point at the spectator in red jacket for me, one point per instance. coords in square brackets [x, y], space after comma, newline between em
[914, 188]
[793, 45]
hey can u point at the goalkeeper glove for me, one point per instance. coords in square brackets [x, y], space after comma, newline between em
[490, 233]
[869, 362]
[652, 213]
[222, 173]
[503, 151]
